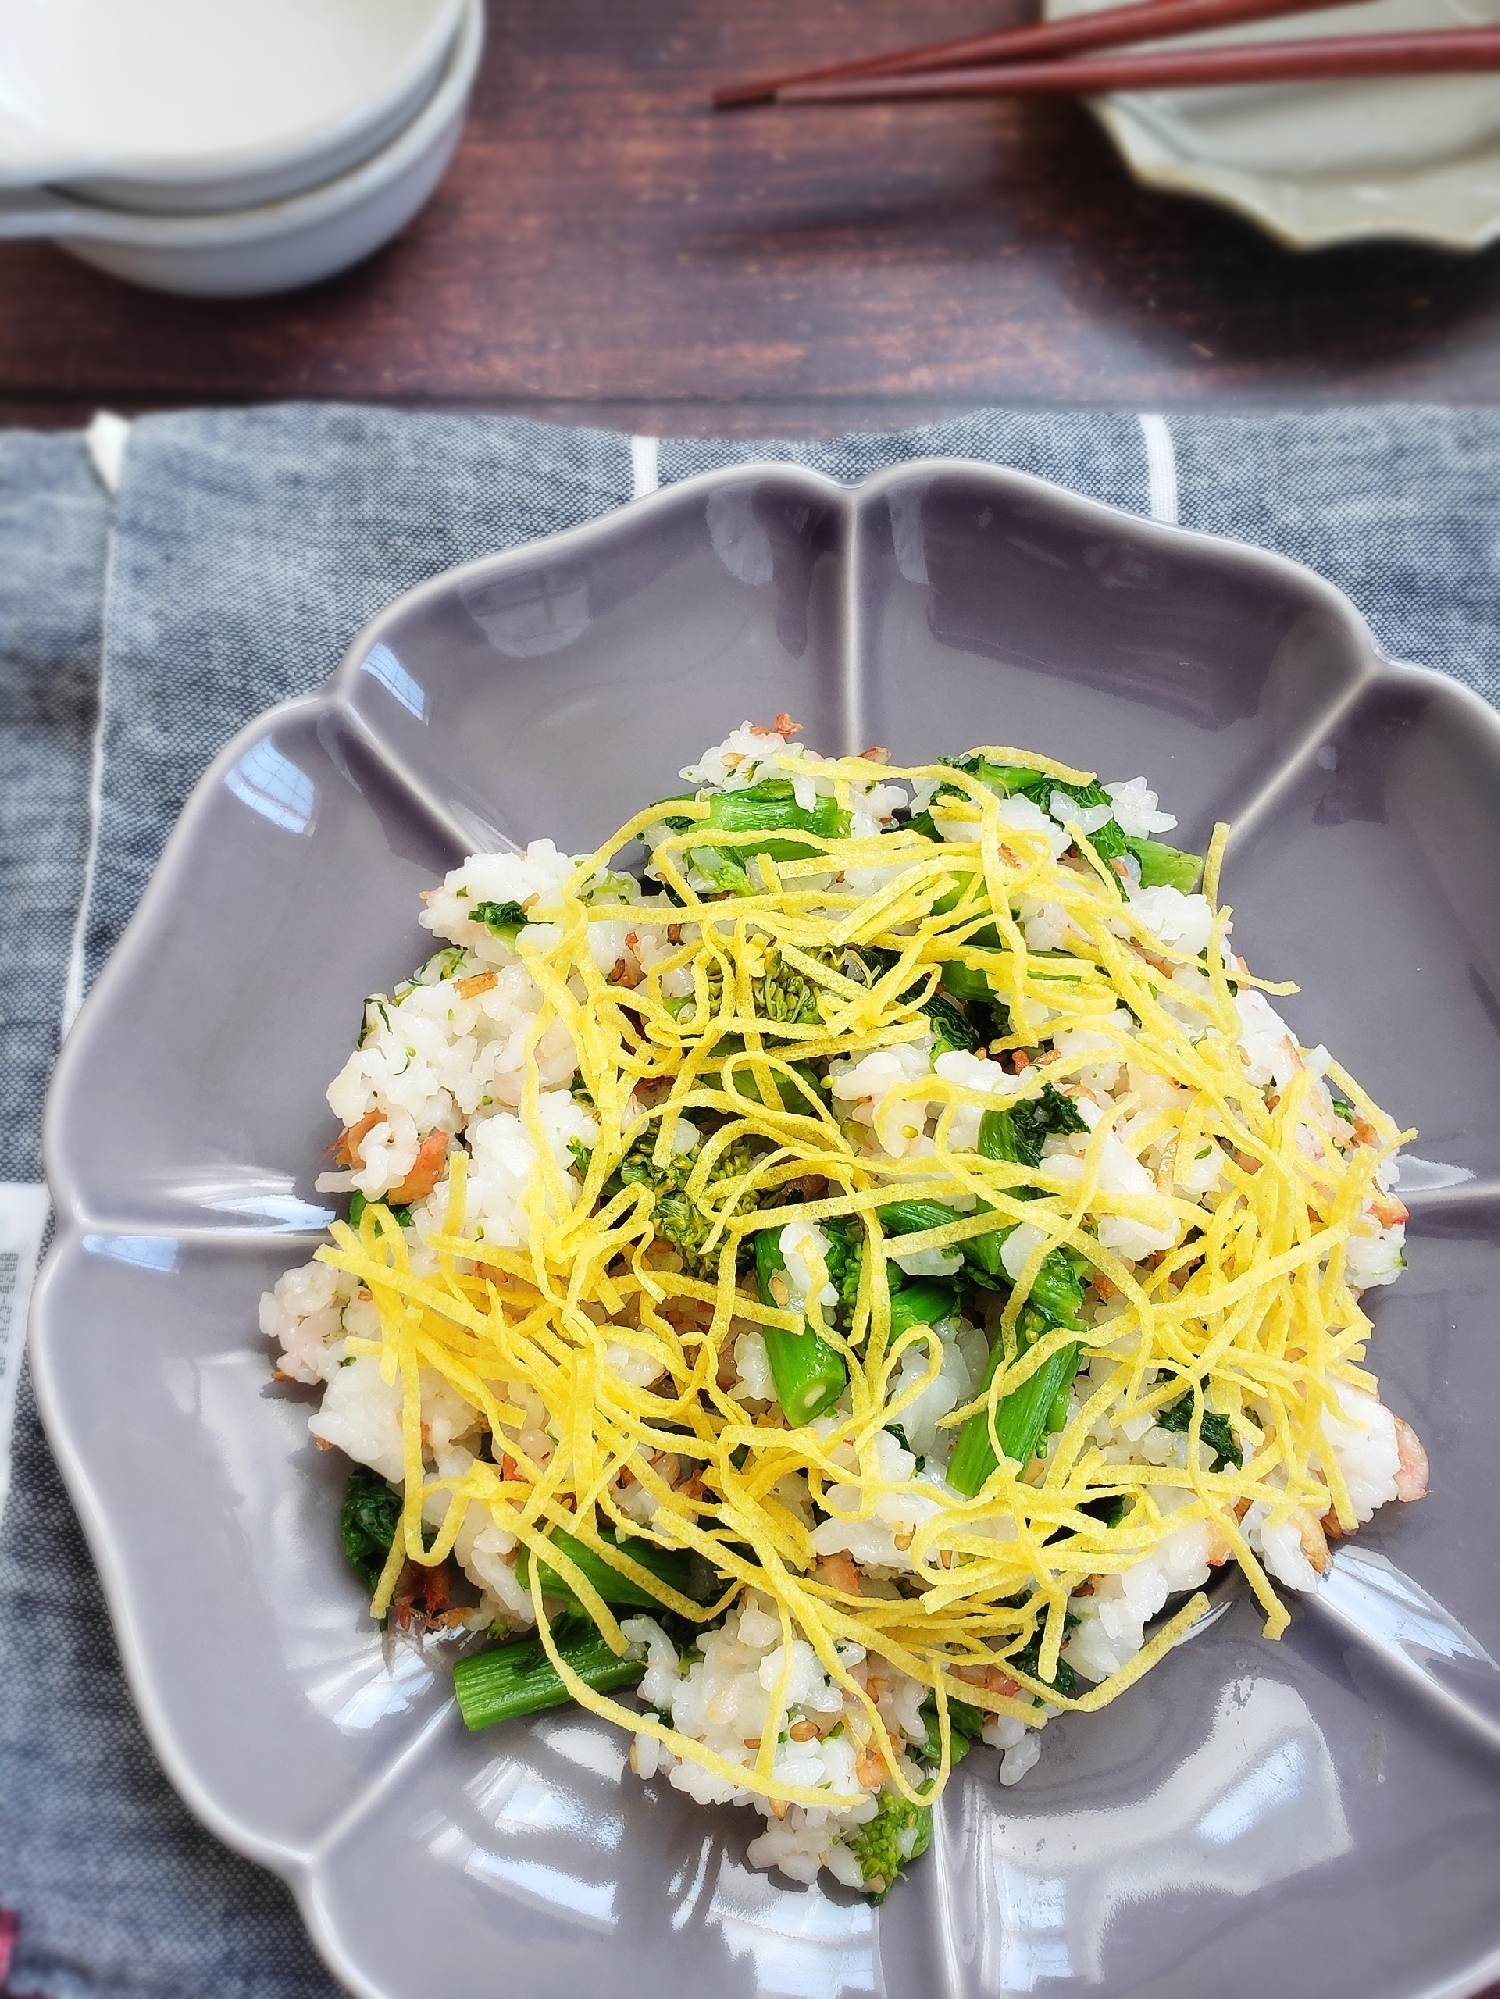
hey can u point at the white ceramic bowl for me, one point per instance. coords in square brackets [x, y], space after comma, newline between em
[280, 244]
[188, 105]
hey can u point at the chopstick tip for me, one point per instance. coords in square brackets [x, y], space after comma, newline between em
[736, 96]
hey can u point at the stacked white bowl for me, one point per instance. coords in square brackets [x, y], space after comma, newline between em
[228, 147]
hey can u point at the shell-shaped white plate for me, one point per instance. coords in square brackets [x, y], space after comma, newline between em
[1320, 163]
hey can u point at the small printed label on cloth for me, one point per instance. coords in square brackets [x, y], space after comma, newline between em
[23, 1219]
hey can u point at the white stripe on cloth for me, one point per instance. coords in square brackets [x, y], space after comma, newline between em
[644, 456]
[1161, 469]
[23, 1220]
[106, 439]
[78, 948]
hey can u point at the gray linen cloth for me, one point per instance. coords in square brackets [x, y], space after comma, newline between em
[242, 551]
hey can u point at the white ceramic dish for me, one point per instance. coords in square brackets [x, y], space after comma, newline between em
[180, 106]
[1320, 163]
[278, 245]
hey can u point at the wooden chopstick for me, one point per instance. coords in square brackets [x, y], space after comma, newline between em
[1112, 27]
[1446, 52]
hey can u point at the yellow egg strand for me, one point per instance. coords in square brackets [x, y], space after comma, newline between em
[1253, 1302]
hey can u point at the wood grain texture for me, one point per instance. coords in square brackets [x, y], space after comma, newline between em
[606, 248]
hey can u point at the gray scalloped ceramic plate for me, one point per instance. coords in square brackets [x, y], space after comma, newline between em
[1320, 163]
[1319, 1817]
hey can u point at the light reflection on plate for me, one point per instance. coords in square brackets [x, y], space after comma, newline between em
[1258, 1801]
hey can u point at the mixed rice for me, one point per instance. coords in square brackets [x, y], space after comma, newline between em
[842, 1259]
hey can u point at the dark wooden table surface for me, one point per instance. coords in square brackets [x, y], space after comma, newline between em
[607, 249]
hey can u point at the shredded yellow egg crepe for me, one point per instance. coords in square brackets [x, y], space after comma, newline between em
[917, 1218]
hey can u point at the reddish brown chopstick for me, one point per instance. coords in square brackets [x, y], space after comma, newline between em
[1113, 27]
[1453, 51]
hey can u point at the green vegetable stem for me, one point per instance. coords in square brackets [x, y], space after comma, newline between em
[1020, 1421]
[770, 808]
[1165, 867]
[801, 1096]
[809, 1374]
[1026, 1414]
[981, 1253]
[507, 1681]
[925, 1302]
[964, 982]
[614, 1588]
